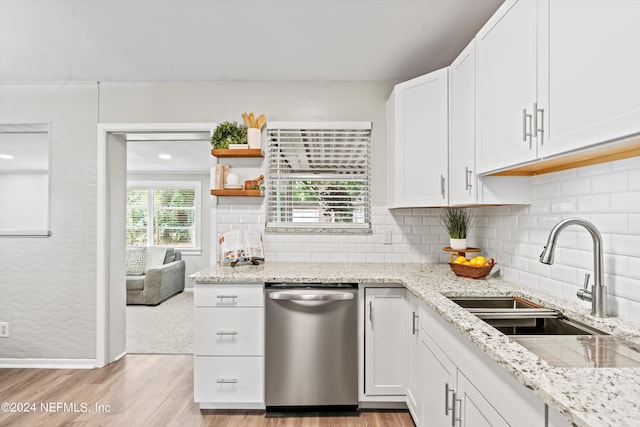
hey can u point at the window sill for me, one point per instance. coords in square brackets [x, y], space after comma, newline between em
[316, 230]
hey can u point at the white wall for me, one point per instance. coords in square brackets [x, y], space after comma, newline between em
[24, 201]
[49, 284]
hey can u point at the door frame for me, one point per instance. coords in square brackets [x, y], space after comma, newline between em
[108, 322]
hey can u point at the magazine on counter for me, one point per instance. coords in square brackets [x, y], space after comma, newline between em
[241, 246]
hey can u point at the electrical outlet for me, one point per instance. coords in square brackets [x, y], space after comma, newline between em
[386, 238]
[4, 329]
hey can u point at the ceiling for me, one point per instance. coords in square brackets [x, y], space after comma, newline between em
[188, 152]
[219, 40]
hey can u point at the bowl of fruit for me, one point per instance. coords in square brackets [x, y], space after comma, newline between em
[475, 268]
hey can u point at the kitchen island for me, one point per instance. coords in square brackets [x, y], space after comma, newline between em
[583, 396]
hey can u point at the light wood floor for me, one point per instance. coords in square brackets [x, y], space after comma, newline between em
[144, 390]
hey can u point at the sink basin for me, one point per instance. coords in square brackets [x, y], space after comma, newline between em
[560, 341]
[542, 326]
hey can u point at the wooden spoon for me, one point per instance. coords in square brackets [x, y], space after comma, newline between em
[261, 121]
[252, 120]
[245, 117]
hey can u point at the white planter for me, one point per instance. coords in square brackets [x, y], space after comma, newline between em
[253, 137]
[458, 244]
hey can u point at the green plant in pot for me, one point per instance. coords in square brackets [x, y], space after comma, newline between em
[457, 222]
[228, 133]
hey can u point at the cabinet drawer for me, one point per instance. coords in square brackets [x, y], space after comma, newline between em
[227, 331]
[228, 296]
[228, 379]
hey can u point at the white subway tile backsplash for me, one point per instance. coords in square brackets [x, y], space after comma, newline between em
[609, 183]
[563, 205]
[627, 202]
[607, 194]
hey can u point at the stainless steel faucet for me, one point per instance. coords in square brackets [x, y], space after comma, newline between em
[598, 292]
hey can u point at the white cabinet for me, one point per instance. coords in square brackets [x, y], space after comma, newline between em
[414, 367]
[228, 344]
[438, 381]
[588, 73]
[462, 141]
[465, 186]
[554, 77]
[506, 72]
[385, 347]
[417, 142]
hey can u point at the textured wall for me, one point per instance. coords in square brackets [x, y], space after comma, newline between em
[48, 285]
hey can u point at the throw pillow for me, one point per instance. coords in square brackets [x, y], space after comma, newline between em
[155, 257]
[135, 261]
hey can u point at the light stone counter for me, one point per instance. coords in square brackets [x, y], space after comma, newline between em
[584, 396]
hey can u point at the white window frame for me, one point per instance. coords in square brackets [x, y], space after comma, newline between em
[274, 226]
[176, 185]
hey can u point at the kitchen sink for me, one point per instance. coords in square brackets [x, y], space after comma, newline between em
[517, 316]
[560, 341]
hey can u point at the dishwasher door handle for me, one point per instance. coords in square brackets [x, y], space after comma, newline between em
[310, 296]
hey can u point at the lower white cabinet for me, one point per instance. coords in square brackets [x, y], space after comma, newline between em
[228, 346]
[385, 347]
[461, 386]
[414, 366]
[437, 381]
[228, 380]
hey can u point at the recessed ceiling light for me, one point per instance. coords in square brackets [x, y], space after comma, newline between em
[6, 156]
[164, 156]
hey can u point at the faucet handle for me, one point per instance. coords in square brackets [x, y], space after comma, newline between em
[586, 281]
[585, 294]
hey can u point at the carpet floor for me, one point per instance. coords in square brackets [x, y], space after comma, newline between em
[164, 329]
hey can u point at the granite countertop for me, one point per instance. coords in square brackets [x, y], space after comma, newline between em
[584, 396]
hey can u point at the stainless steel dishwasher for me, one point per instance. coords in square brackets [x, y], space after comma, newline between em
[311, 336]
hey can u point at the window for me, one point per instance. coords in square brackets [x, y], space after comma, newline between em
[318, 176]
[163, 214]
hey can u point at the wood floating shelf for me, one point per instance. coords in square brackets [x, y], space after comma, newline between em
[251, 193]
[239, 152]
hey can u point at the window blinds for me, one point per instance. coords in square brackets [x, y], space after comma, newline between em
[318, 175]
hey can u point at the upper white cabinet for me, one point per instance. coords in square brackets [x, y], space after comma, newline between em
[554, 77]
[588, 73]
[465, 186]
[462, 153]
[506, 72]
[417, 142]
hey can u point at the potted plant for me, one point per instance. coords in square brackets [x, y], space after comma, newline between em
[227, 133]
[457, 222]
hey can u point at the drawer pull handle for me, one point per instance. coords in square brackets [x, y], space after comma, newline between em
[227, 381]
[227, 296]
[222, 333]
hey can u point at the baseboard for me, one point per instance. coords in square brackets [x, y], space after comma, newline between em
[248, 406]
[383, 405]
[48, 363]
